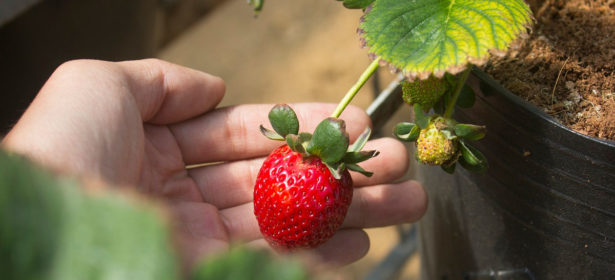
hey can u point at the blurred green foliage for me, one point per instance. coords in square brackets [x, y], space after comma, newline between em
[249, 264]
[51, 229]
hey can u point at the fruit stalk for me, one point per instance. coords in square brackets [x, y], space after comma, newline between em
[450, 107]
[355, 88]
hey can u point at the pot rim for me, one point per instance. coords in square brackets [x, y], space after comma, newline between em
[481, 75]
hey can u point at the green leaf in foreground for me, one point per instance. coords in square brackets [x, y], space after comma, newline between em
[52, 229]
[241, 263]
[435, 36]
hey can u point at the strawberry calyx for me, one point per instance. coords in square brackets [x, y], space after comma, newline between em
[329, 142]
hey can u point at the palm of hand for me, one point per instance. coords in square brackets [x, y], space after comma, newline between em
[141, 123]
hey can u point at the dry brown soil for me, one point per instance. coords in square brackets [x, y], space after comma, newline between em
[566, 64]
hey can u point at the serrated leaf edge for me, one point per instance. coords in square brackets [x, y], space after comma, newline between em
[453, 69]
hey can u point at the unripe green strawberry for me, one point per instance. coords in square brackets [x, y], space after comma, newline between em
[434, 148]
[424, 92]
[297, 201]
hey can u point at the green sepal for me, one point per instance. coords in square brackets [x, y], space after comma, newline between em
[284, 120]
[360, 142]
[449, 168]
[470, 131]
[419, 116]
[472, 159]
[336, 171]
[448, 134]
[329, 141]
[356, 157]
[356, 4]
[466, 97]
[297, 143]
[271, 134]
[406, 131]
[356, 168]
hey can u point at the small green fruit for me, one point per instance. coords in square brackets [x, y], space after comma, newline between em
[424, 92]
[434, 148]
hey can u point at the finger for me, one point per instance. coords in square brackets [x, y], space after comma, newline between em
[390, 165]
[199, 231]
[241, 223]
[385, 205]
[233, 133]
[167, 93]
[345, 247]
[224, 187]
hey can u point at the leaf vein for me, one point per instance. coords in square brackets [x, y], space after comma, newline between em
[403, 12]
[469, 31]
[410, 31]
[494, 34]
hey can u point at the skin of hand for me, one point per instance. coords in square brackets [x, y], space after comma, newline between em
[140, 123]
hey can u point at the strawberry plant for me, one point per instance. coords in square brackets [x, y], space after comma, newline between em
[433, 44]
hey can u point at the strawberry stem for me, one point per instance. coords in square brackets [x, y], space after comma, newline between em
[450, 107]
[355, 88]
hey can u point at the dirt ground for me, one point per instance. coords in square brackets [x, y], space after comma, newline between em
[295, 51]
[566, 65]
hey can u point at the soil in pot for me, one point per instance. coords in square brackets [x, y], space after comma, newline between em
[566, 65]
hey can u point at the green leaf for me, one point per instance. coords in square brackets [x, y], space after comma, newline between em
[329, 141]
[435, 36]
[356, 4]
[406, 131]
[284, 120]
[359, 169]
[472, 159]
[419, 116]
[32, 211]
[52, 229]
[242, 263]
[270, 134]
[361, 141]
[466, 97]
[470, 131]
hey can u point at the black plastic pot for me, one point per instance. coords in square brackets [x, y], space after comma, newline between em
[545, 209]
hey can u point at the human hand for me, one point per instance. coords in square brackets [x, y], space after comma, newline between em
[140, 123]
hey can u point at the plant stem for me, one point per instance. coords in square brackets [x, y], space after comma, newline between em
[450, 107]
[355, 88]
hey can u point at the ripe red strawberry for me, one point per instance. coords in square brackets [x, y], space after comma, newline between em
[303, 189]
[297, 201]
